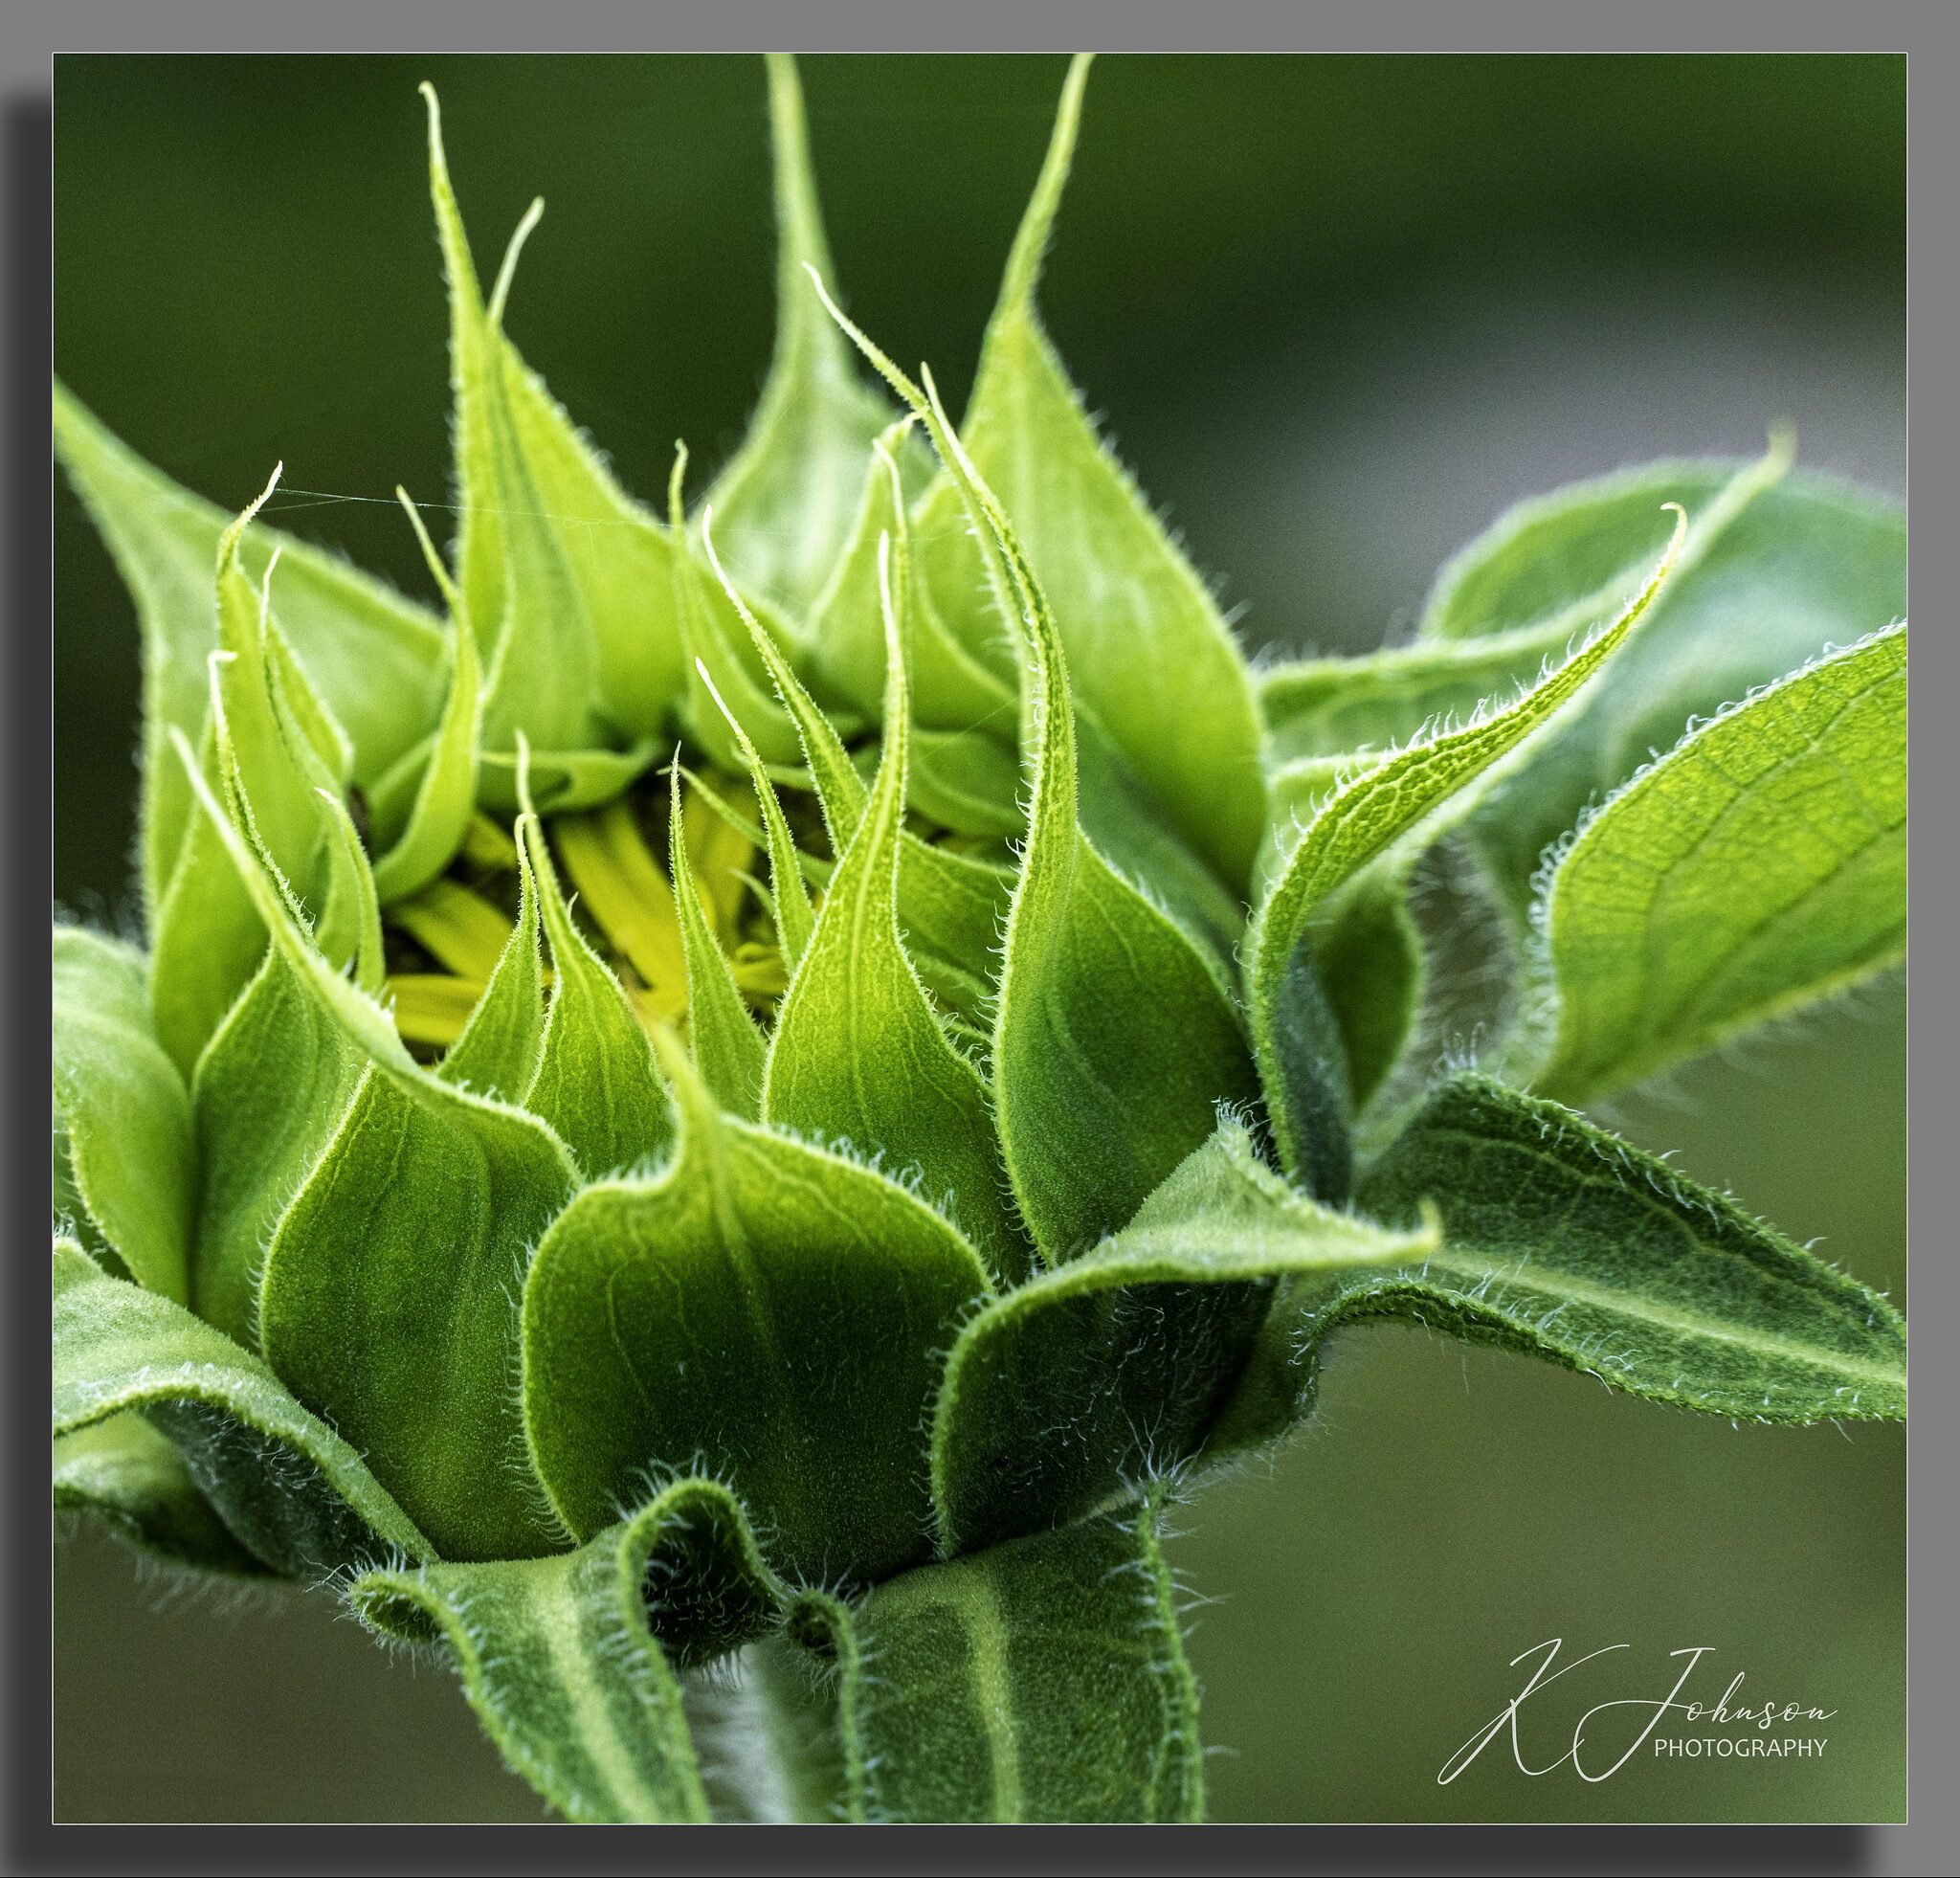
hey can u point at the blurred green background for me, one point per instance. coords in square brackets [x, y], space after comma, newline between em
[1339, 312]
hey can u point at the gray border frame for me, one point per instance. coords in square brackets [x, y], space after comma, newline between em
[1927, 31]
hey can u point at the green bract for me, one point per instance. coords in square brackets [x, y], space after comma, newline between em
[775, 1077]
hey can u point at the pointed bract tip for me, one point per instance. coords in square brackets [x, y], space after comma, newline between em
[499, 293]
[234, 531]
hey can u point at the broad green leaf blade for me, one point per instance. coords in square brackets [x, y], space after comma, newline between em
[388, 1300]
[597, 1086]
[376, 657]
[389, 1294]
[438, 813]
[556, 1659]
[123, 1109]
[129, 1475]
[1115, 1039]
[786, 499]
[1374, 826]
[1044, 1679]
[567, 581]
[268, 1096]
[288, 1487]
[763, 1308]
[1774, 571]
[497, 1054]
[1758, 866]
[1563, 1241]
[1149, 653]
[1116, 1366]
[727, 1047]
[858, 1053]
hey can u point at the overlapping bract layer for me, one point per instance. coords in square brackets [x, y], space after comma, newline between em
[615, 1266]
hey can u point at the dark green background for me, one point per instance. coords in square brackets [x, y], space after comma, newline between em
[1339, 312]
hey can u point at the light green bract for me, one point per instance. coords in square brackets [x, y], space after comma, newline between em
[774, 1082]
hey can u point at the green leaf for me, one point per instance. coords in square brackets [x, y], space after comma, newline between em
[790, 896]
[287, 1487]
[129, 1475]
[1149, 653]
[727, 1047]
[567, 581]
[123, 1109]
[1776, 568]
[438, 817]
[1760, 864]
[762, 1307]
[557, 1660]
[387, 1299]
[266, 746]
[967, 782]
[269, 1091]
[858, 1052]
[784, 500]
[1562, 1241]
[597, 1086]
[1114, 1042]
[374, 657]
[1362, 843]
[496, 1055]
[1115, 1366]
[1369, 959]
[1321, 709]
[1042, 1680]
[952, 690]
[951, 907]
[1115, 1039]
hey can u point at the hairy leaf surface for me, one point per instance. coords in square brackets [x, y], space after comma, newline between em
[762, 1307]
[388, 1300]
[1563, 1241]
[1148, 649]
[1112, 1368]
[123, 1108]
[1758, 866]
[857, 1051]
[374, 656]
[288, 1487]
[597, 1086]
[567, 581]
[1044, 1679]
[557, 1660]
[1776, 568]
[128, 1474]
[1373, 827]
[785, 500]
[1114, 1040]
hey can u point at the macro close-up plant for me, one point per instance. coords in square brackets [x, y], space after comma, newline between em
[720, 1118]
